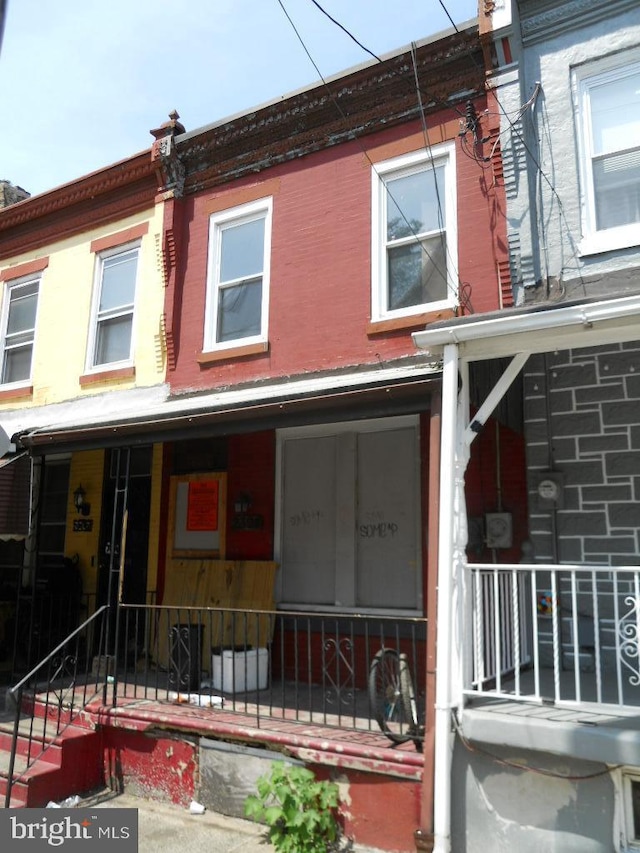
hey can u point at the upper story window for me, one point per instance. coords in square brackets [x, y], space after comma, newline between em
[608, 108]
[111, 339]
[238, 276]
[18, 329]
[414, 252]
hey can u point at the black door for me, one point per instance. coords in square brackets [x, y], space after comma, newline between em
[127, 488]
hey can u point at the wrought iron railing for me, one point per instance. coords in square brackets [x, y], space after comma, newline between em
[308, 667]
[49, 697]
[42, 621]
[560, 633]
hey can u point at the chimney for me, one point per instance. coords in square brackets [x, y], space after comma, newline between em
[10, 194]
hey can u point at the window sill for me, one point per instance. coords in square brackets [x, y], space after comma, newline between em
[610, 241]
[379, 327]
[16, 393]
[211, 357]
[107, 376]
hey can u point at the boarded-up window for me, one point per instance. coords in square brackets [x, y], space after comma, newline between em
[351, 517]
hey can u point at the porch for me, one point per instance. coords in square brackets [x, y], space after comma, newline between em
[307, 685]
[548, 633]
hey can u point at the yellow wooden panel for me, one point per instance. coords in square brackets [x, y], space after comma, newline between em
[227, 585]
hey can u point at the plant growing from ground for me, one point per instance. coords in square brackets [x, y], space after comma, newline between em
[301, 813]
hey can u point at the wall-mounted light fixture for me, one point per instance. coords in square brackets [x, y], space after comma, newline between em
[243, 519]
[83, 507]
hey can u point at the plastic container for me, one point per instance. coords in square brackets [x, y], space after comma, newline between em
[240, 671]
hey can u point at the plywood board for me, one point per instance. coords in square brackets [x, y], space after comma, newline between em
[222, 585]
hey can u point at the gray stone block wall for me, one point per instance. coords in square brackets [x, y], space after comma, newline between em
[582, 419]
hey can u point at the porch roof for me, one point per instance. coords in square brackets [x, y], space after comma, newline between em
[366, 392]
[533, 329]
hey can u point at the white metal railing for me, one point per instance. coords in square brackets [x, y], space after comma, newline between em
[547, 632]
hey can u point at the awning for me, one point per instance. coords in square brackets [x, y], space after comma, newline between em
[536, 329]
[367, 393]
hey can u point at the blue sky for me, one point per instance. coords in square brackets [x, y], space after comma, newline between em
[83, 81]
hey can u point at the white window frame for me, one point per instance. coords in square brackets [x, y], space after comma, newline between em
[585, 78]
[129, 309]
[407, 164]
[218, 222]
[623, 779]
[11, 286]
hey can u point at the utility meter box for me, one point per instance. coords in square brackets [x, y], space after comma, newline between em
[499, 529]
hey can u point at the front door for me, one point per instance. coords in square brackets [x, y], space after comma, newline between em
[127, 488]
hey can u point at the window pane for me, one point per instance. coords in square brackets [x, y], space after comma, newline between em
[113, 340]
[17, 364]
[118, 281]
[413, 204]
[616, 183]
[417, 273]
[242, 253]
[240, 311]
[22, 309]
[615, 114]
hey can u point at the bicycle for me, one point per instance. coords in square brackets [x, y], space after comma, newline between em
[392, 698]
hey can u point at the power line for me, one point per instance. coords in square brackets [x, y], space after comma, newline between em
[456, 292]
[446, 11]
[345, 30]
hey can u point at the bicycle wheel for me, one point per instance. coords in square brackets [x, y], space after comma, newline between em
[390, 695]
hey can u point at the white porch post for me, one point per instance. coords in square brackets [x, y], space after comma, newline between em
[450, 535]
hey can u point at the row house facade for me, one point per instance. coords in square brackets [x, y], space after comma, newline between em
[537, 696]
[233, 439]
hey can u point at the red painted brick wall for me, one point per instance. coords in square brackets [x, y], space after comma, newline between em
[320, 295]
[481, 486]
[251, 471]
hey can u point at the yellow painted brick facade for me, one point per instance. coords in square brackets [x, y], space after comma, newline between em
[87, 468]
[64, 314]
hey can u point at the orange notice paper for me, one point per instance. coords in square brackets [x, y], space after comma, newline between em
[202, 505]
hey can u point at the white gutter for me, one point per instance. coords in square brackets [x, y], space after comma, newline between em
[123, 406]
[581, 325]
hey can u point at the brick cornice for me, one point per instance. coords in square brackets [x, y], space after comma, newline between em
[380, 95]
[111, 193]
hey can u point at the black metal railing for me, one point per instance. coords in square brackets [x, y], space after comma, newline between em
[307, 667]
[49, 697]
[42, 621]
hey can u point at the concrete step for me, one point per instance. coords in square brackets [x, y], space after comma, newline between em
[56, 765]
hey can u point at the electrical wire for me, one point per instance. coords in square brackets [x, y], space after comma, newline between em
[355, 137]
[345, 30]
[446, 11]
[515, 765]
[466, 304]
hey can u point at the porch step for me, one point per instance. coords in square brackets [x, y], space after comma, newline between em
[70, 763]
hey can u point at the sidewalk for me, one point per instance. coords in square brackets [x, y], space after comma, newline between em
[166, 828]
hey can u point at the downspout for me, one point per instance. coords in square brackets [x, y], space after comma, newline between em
[444, 669]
